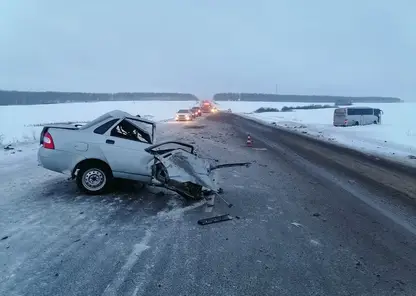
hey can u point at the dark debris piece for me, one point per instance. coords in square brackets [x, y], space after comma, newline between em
[215, 219]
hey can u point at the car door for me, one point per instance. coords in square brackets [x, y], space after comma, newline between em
[127, 158]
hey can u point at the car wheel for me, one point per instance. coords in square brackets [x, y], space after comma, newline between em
[94, 178]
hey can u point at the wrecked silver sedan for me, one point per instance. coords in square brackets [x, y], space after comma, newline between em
[118, 145]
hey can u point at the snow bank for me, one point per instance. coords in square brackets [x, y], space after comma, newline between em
[248, 107]
[24, 123]
[395, 138]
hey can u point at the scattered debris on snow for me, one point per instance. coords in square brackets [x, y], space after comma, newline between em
[8, 147]
[215, 219]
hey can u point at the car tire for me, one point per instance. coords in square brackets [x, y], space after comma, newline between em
[87, 178]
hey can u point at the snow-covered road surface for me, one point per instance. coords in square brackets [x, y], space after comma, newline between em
[302, 229]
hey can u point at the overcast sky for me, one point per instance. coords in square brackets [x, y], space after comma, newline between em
[338, 47]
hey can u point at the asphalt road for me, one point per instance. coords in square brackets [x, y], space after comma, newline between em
[300, 227]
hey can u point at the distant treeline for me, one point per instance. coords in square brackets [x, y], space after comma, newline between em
[300, 98]
[49, 97]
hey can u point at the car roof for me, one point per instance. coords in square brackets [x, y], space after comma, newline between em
[122, 114]
[183, 110]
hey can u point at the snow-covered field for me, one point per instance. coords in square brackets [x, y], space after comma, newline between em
[394, 138]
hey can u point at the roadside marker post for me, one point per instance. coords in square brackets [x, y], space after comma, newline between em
[249, 141]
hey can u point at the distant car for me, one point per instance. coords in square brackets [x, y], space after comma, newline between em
[229, 110]
[184, 115]
[206, 106]
[196, 111]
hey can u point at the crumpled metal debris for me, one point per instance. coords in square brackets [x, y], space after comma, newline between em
[188, 174]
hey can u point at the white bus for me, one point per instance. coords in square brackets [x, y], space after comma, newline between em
[357, 116]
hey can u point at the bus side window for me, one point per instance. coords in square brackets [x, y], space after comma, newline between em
[367, 111]
[362, 111]
[352, 111]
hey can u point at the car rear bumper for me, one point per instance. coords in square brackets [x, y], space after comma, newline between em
[57, 160]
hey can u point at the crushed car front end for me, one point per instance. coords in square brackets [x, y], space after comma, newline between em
[181, 170]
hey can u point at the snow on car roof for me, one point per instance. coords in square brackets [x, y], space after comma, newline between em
[115, 114]
[120, 114]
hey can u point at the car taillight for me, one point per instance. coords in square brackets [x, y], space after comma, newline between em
[48, 141]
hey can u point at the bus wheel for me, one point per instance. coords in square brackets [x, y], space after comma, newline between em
[375, 122]
[357, 123]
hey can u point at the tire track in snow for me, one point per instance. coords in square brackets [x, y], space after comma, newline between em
[170, 230]
[134, 256]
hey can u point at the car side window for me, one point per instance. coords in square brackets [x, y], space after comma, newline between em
[126, 130]
[104, 127]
